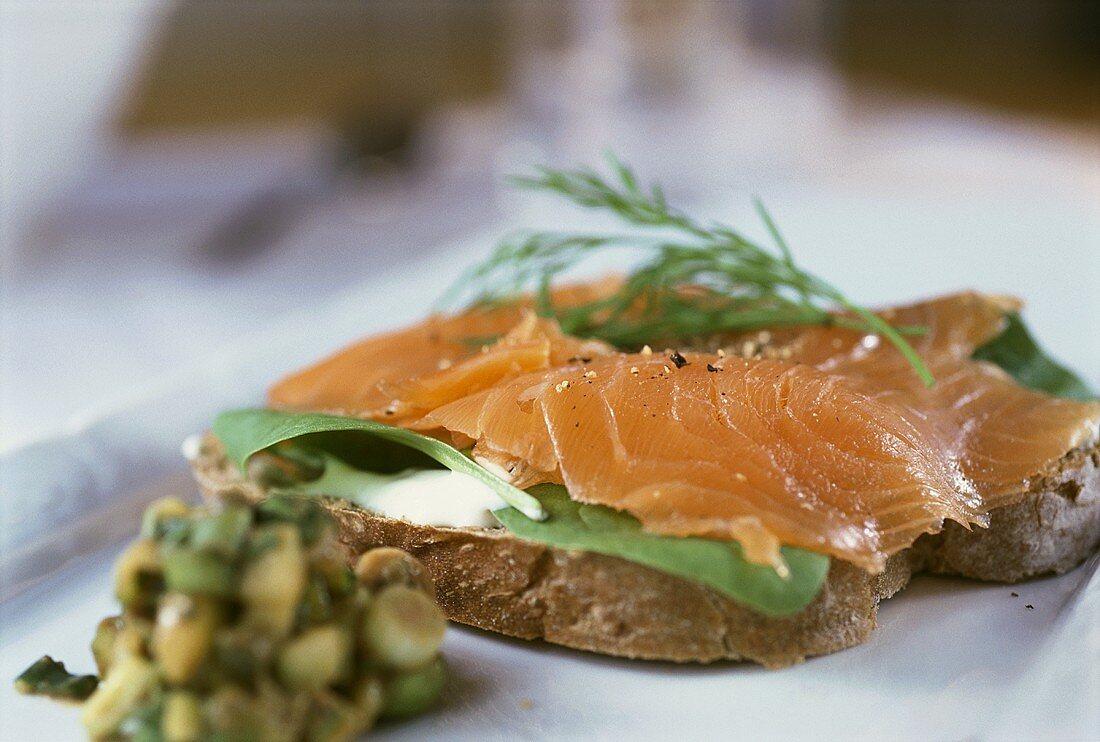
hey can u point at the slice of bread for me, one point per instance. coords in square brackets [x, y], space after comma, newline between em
[492, 580]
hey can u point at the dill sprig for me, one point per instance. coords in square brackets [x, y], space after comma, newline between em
[695, 279]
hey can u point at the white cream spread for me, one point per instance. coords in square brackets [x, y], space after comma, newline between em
[435, 498]
[432, 497]
[191, 446]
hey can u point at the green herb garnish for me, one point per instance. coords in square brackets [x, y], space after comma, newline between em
[717, 564]
[697, 279]
[1016, 351]
[48, 677]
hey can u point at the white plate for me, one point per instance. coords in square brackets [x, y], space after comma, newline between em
[950, 659]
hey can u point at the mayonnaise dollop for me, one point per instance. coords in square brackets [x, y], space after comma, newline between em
[435, 497]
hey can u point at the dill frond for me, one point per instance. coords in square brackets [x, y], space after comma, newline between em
[694, 279]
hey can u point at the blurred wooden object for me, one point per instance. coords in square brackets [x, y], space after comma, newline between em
[1026, 56]
[367, 69]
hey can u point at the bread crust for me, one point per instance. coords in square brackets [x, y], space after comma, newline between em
[1049, 530]
[493, 580]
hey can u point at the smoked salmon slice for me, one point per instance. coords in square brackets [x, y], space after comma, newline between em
[951, 328]
[832, 444]
[351, 380]
[762, 452]
[394, 375]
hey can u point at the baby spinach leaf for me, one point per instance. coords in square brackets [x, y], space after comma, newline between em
[717, 564]
[1016, 351]
[249, 431]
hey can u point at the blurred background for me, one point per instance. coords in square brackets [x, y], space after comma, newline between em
[177, 174]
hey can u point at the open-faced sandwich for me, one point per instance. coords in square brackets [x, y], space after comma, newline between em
[714, 455]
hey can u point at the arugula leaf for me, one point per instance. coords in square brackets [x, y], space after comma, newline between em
[717, 564]
[1016, 351]
[249, 431]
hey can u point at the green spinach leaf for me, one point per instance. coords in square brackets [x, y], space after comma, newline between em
[1016, 351]
[249, 431]
[717, 564]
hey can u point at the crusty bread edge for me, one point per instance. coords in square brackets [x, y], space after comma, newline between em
[492, 580]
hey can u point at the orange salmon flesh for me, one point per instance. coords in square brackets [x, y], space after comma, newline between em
[821, 438]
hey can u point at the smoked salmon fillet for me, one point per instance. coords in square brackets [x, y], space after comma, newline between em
[828, 442]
